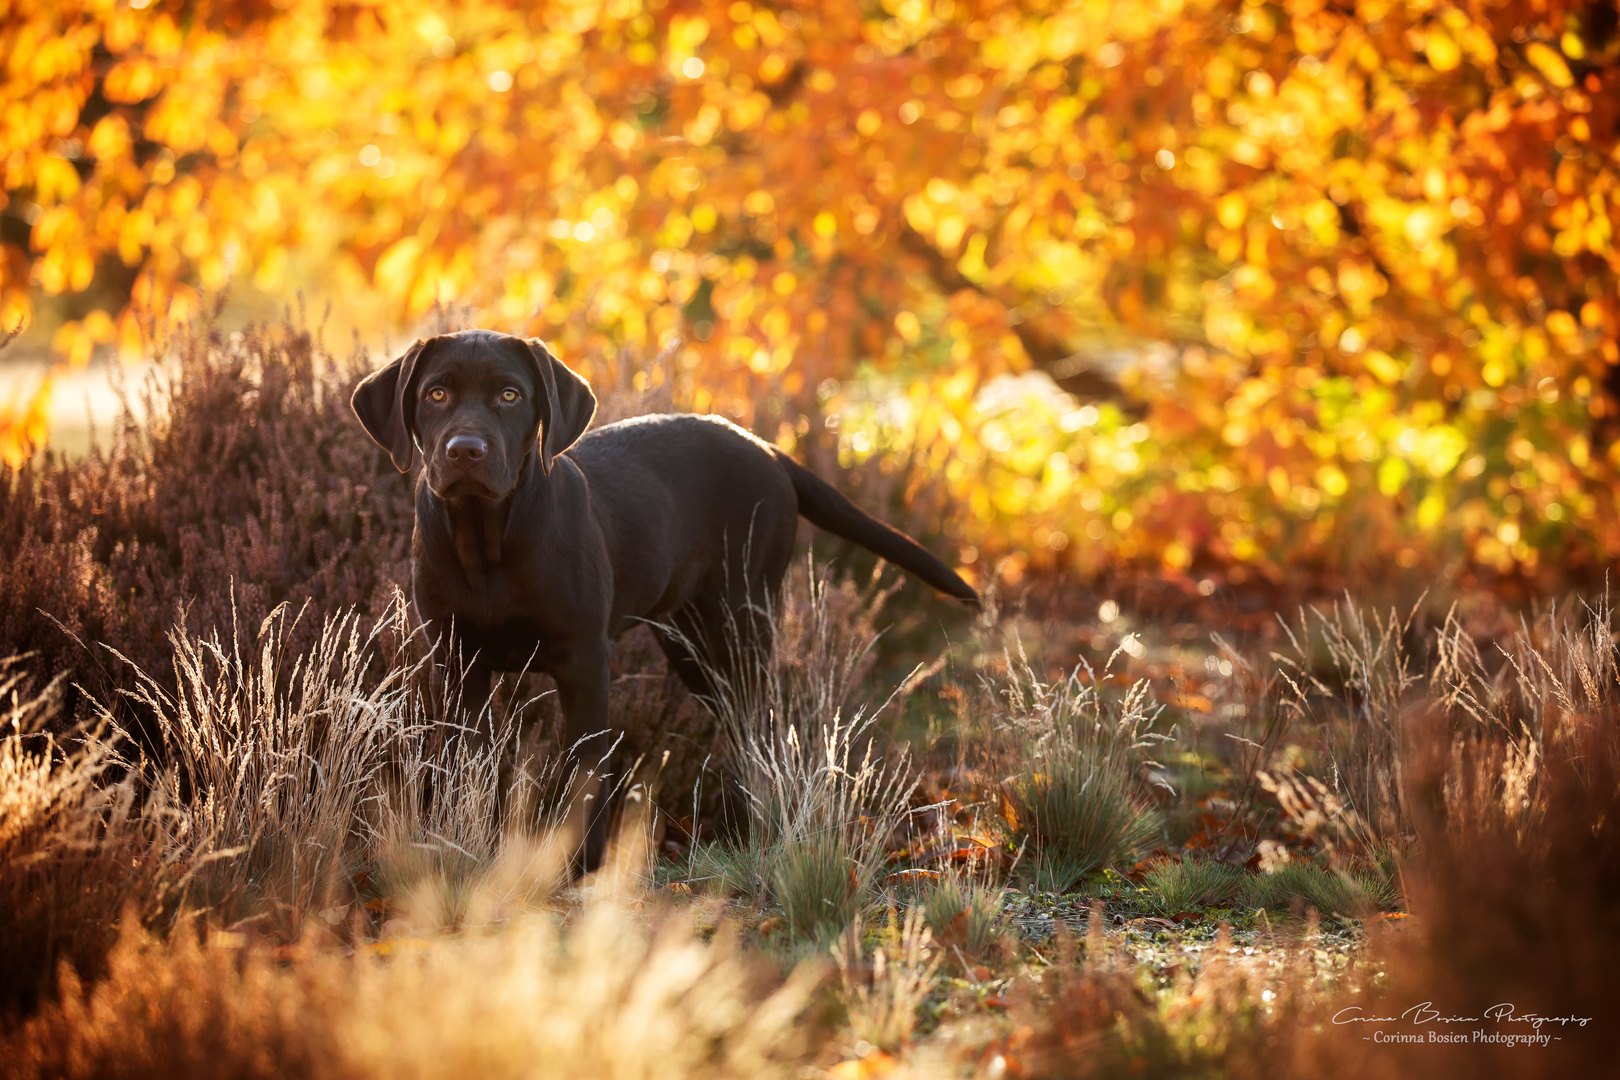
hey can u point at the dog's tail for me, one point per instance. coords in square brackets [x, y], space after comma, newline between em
[824, 506]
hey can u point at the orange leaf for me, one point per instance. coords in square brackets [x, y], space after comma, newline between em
[872, 1065]
[955, 932]
[393, 946]
[911, 877]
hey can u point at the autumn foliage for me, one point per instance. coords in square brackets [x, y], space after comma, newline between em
[1324, 287]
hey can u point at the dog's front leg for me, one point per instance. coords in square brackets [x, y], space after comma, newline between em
[469, 702]
[582, 689]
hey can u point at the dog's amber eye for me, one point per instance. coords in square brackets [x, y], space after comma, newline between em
[509, 394]
[437, 393]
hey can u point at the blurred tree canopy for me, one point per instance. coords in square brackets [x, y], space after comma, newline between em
[1321, 285]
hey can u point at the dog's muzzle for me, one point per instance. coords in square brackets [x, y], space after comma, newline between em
[466, 450]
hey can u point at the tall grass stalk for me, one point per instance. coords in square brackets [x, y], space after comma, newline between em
[274, 756]
[882, 998]
[1363, 730]
[1079, 797]
[816, 790]
[80, 844]
[1557, 672]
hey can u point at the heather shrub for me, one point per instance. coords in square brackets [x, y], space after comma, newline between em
[247, 486]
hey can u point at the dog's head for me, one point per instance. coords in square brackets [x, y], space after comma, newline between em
[477, 404]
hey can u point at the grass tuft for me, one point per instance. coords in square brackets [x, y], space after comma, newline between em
[816, 881]
[1306, 885]
[963, 910]
[1080, 802]
[820, 799]
[1186, 884]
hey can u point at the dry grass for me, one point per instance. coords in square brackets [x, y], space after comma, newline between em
[882, 994]
[821, 799]
[248, 487]
[488, 963]
[1081, 751]
[80, 845]
[231, 843]
[622, 997]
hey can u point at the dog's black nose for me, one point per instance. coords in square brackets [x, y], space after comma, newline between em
[465, 449]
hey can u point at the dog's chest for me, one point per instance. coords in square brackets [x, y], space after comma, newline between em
[510, 620]
[518, 644]
[501, 636]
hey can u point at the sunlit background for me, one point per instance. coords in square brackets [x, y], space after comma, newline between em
[1232, 292]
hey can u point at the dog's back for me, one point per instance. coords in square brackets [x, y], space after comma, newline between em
[737, 494]
[704, 499]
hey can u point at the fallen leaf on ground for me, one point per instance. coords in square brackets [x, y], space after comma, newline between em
[1389, 916]
[393, 946]
[1145, 866]
[955, 932]
[911, 877]
[874, 1064]
[1008, 807]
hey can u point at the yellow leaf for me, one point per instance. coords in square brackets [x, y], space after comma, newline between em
[870, 1067]
[23, 430]
[132, 80]
[1232, 209]
[1561, 323]
[1384, 367]
[1546, 60]
[395, 946]
[1443, 53]
[396, 267]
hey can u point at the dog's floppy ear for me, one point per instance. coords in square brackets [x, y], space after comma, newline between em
[565, 400]
[386, 410]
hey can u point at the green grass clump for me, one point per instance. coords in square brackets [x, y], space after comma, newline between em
[729, 870]
[1080, 804]
[1379, 876]
[1188, 883]
[1081, 816]
[816, 882]
[1383, 893]
[963, 911]
[1309, 885]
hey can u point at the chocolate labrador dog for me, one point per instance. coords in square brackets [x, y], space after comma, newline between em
[537, 543]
